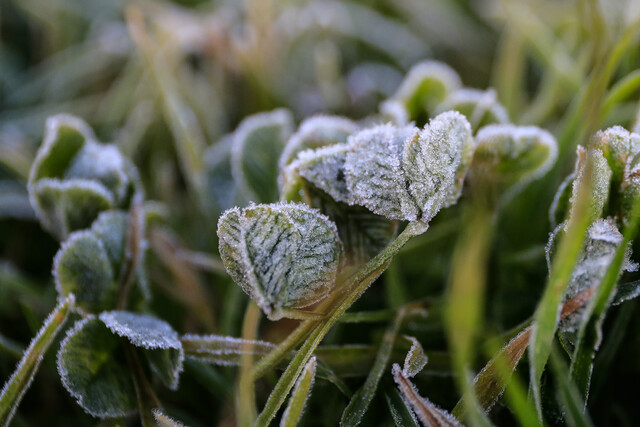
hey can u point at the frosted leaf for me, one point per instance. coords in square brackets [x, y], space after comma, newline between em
[220, 185]
[426, 86]
[415, 360]
[257, 145]
[89, 264]
[323, 167]
[428, 413]
[603, 240]
[512, 156]
[299, 395]
[160, 342]
[621, 149]
[163, 420]
[374, 172]
[626, 291]
[82, 267]
[407, 174]
[92, 369]
[222, 350]
[316, 132]
[480, 107]
[282, 255]
[436, 163]
[73, 177]
[65, 206]
[317, 178]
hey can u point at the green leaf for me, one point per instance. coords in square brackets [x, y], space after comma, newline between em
[16, 386]
[299, 395]
[163, 420]
[221, 350]
[65, 206]
[626, 291]
[284, 256]
[316, 132]
[82, 267]
[257, 145]
[160, 342]
[73, 177]
[510, 157]
[426, 85]
[220, 185]
[568, 395]
[93, 369]
[480, 107]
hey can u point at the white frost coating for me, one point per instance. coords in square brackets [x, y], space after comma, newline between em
[64, 373]
[281, 118]
[407, 174]
[222, 350]
[415, 360]
[476, 104]
[507, 142]
[421, 73]
[374, 173]
[283, 255]
[300, 395]
[163, 420]
[600, 182]
[315, 132]
[324, 168]
[141, 330]
[394, 111]
[67, 301]
[428, 413]
[52, 128]
[603, 240]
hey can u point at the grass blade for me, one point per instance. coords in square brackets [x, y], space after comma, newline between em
[568, 394]
[362, 398]
[299, 396]
[19, 383]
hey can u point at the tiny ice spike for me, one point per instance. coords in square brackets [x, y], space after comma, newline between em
[283, 255]
[406, 173]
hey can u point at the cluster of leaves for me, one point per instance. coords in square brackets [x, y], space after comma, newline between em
[433, 190]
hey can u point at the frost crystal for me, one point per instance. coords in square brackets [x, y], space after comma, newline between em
[513, 156]
[316, 132]
[141, 330]
[283, 255]
[407, 174]
[324, 168]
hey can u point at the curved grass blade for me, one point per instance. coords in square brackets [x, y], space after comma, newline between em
[548, 311]
[401, 414]
[362, 398]
[568, 394]
[299, 396]
[19, 383]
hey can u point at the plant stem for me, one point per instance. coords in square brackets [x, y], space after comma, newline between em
[246, 411]
[147, 399]
[17, 385]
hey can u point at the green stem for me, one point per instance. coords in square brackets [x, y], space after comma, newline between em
[246, 411]
[17, 385]
[355, 287]
[147, 399]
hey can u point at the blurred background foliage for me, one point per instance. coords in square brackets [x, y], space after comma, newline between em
[167, 81]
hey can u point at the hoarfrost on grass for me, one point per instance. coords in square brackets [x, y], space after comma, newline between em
[415, 359]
